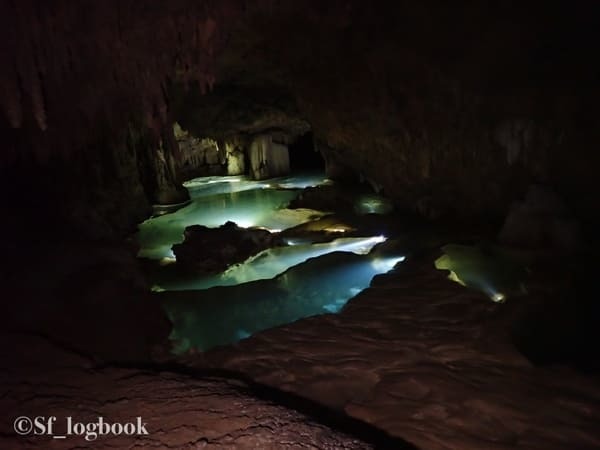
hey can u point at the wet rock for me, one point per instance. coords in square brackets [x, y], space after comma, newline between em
[212, 250]
[427, 360]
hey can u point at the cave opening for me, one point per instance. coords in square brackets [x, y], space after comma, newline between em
[304, 155]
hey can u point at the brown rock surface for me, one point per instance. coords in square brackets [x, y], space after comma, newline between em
[179, 411]
[212, 250]
[429, 361]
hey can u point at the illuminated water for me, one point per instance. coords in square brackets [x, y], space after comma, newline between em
[265, 265]
[204, 186]
[490, 271]
[224, 315]
[275, 287]
[215, 200]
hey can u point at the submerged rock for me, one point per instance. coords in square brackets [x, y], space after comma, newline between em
[212, 250]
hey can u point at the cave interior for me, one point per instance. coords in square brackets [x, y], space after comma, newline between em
[278, 224]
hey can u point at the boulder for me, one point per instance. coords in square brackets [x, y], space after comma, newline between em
[212, 250]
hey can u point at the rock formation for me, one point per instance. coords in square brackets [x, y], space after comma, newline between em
[452, 111]
[178, 410]
[85, 95]
[212, 250]
[268, 159]
[427, 360]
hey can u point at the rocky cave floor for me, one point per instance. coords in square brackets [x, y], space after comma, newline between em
[414, 361]
[428, 361]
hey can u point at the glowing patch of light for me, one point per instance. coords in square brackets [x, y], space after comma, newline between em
[167, 260]
[455, 278]
[301, 182]
[271, 262]
[362, 246]
[373, 204]
[247, 208]
[336, 230]
[386, 264]
[222, 315]
[488, 270]
[331, 308]
[202, 181]
[498, 297]
[243, 223]
[270, 230]
[242, 334]
[354, 291]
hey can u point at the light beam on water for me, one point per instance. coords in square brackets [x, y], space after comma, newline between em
[224, 315]
[215, 201]
[277, 286]
[267, 264]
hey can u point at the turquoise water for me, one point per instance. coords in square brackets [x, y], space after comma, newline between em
[224, 315]
[275, 287]
[265, 265]
[215, 200]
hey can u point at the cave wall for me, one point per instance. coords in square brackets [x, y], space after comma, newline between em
[85, 117]
[203, 156]
[451, 110]
[268, 158]
[199, 156]
[246, 129]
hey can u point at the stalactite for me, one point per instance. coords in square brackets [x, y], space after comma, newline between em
[68, 67]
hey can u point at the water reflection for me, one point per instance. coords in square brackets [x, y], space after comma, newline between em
[265, 265]
[277, 286]
[224, 315]
[216, 200]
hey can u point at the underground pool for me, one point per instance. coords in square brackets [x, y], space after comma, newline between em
[302, 278]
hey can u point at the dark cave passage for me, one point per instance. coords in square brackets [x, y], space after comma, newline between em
[304, 156]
